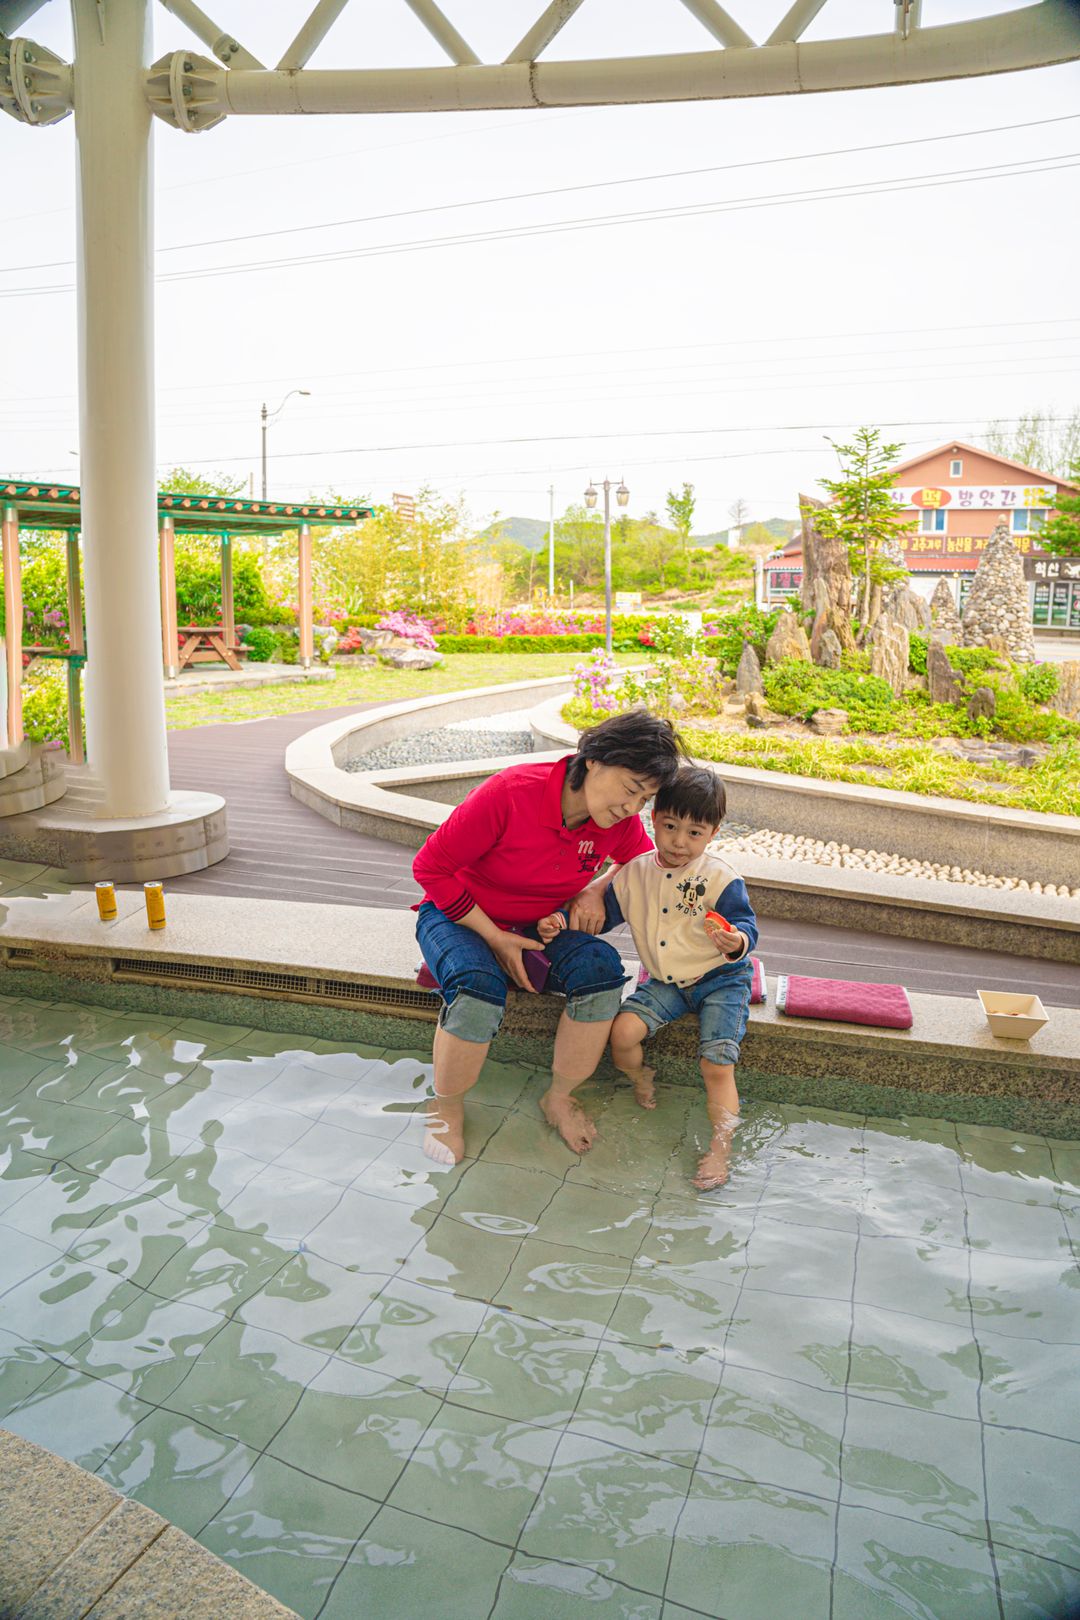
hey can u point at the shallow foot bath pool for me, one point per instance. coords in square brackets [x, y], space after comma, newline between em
[536, 1387]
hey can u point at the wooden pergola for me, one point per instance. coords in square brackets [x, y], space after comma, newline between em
[58, 507]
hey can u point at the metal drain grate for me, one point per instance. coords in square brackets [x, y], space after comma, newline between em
[144, 967]
[294, 986]
[22, 956]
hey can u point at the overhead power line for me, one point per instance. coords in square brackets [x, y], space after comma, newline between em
[1022, 169]
[571, 438]
[585, 186]
[622, 352]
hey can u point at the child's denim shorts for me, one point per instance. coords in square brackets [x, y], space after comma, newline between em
[721, 1000]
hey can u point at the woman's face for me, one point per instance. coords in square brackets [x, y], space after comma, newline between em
[613, 792]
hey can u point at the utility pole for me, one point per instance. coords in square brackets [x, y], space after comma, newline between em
[551, 542]
[622, 495]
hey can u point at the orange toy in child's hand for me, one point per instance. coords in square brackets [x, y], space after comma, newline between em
[715, 918]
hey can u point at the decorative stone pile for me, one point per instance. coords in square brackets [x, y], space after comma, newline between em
[794, 847]
[997, 611]
[945, 623]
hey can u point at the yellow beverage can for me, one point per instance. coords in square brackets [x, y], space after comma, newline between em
[106, 901]
[155, 904]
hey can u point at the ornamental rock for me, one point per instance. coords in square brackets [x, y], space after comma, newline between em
[788, 640]
[889, 653]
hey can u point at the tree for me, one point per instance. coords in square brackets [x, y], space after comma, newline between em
[739, 513]
[1061, 534]
[1040, 439]
[179, 481]
[863, 514]
[680, 511]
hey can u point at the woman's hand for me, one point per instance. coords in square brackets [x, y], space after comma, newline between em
[548, 927]
[507, 949]
[587, 913]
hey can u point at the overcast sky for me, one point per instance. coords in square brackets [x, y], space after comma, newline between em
[720, 347]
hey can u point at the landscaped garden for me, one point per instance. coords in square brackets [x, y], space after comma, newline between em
[1012, 748]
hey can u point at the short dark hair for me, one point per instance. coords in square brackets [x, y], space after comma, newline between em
[694, 792]
[637, 740]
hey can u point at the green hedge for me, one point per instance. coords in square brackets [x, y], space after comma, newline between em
[518, 644]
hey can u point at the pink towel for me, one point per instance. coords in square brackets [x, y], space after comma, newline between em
[844, 1001]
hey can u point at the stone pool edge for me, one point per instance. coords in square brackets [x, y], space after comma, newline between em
[69, 1541]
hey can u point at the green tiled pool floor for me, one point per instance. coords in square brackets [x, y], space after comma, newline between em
[535, 1387]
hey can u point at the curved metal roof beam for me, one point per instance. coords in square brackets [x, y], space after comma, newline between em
[1032, 36]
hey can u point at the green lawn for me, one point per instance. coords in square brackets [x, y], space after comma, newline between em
[383, 685]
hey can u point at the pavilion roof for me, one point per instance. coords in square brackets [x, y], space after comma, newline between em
[57, 506]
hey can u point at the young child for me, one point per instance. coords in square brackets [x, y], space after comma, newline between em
[665, 896]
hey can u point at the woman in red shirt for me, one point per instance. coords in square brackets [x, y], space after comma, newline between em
[531, 839]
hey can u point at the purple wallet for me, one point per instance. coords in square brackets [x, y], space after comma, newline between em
[537, 968]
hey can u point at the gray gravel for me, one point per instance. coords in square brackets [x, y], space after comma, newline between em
[445, 746]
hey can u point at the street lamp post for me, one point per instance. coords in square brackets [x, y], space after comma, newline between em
[622, 495]
[267, 417]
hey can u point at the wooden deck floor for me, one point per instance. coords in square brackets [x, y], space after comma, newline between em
[281, 850]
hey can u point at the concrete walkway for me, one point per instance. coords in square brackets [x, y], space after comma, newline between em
[283, 851]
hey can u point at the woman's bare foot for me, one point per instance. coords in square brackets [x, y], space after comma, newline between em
[568, 1118]
[712, 1170]
[444, 1138]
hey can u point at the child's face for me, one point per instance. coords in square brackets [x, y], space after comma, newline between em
[678, 839]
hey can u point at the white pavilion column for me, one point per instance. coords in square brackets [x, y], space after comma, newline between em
[125, 702]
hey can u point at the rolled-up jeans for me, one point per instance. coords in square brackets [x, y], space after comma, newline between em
[586, 970]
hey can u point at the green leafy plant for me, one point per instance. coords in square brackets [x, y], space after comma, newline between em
[261, 643]
[1038, 682]
[917, 646]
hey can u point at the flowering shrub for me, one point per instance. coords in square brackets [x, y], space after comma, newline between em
[409, 627]
[597, 681]
[349, 641]
[46, 629]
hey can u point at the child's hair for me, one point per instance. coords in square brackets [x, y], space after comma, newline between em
[694, 792]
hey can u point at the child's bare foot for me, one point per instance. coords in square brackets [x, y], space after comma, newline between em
[712, 1170]
[642, 1080]
[569, 1119]
[444, 1138]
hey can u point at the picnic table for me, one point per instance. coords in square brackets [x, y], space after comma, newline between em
[206, 644]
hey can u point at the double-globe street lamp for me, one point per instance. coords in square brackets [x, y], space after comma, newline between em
[622, 495]
[267, 417]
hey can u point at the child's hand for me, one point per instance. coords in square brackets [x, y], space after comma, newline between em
[548, 927]
[728, 941]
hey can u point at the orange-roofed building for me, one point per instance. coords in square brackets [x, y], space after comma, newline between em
[955, 496]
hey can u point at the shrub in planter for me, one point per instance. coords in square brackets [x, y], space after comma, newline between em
[261, 643]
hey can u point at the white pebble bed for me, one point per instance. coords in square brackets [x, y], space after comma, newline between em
[795, 847]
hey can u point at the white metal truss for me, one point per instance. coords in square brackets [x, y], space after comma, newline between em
[193, 92]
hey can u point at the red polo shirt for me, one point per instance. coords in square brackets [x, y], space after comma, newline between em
[505, 849]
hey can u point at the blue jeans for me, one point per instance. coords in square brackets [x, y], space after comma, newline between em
[721, 1000]
[586, 970]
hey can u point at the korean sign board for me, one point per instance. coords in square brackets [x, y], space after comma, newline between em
[780, 581]
[983, 498]
[925, 546]
[1052, 568]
